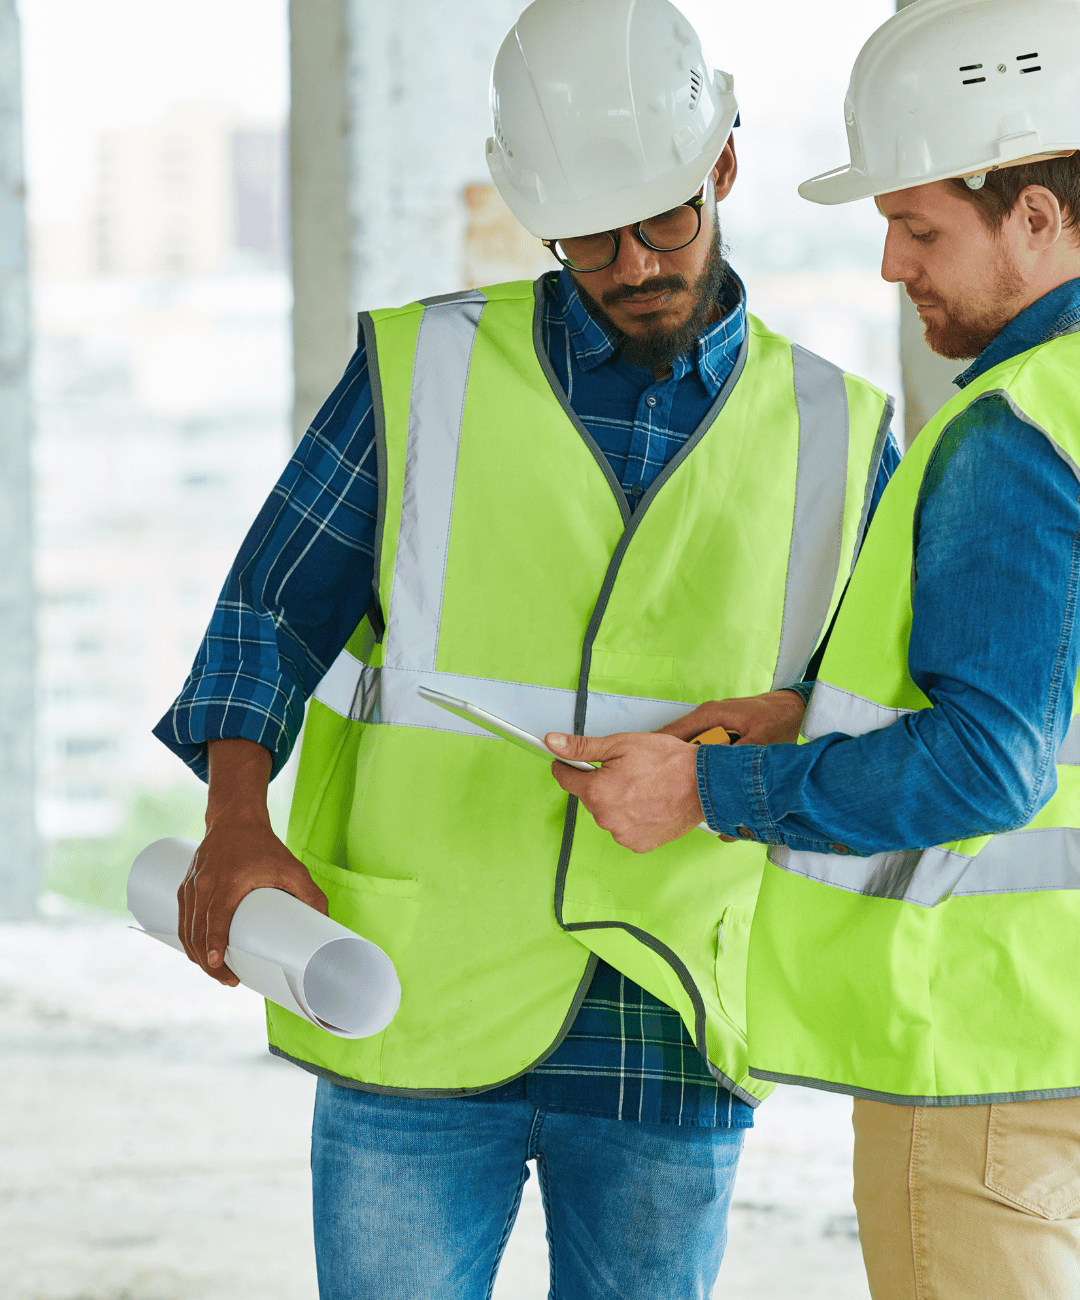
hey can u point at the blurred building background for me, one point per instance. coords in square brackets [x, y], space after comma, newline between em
[180, 337]
[213, 190]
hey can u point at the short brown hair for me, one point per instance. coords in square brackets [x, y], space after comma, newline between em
[997, 198]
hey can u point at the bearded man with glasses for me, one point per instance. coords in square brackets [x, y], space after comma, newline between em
[586, 503]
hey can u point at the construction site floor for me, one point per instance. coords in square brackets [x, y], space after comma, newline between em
[151, 1149]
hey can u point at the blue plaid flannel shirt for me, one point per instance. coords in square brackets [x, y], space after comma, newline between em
[302, 581]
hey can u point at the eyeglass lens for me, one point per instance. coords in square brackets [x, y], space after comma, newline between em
[666, 232]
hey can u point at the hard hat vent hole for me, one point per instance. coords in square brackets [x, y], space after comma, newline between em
[695, 87]
[1023, 58]
[972, 67]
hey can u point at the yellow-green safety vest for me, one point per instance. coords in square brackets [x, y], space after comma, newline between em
[512, 574]
[938, 976]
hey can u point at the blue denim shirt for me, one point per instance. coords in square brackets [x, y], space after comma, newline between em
[994, 646]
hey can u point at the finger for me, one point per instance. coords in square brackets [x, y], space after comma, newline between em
[218, 920]
[186, 899]
[571, 780]
[583, 749]
[690, 724]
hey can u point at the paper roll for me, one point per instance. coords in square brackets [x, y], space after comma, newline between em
[278, 946]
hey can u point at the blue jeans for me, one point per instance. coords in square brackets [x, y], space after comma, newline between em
[414, 1199]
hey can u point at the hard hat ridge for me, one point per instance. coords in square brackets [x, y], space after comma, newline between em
[603, 113]
[957, 88]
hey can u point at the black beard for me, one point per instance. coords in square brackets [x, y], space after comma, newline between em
[658, 351]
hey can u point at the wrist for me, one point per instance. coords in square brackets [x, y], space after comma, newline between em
[239, 773]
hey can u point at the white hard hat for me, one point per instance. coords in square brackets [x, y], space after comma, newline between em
[604, 112]
[958, 88]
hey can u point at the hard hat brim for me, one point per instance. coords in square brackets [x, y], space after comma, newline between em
[847, 184]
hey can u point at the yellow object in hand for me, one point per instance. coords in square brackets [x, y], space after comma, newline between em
[714, 736]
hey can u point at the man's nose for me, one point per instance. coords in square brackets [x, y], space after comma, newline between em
[635, 263]
[897, 266]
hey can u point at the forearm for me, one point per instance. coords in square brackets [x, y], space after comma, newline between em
[928, 779]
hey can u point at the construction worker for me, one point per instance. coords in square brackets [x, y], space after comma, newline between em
[914, 943]
[593, 500]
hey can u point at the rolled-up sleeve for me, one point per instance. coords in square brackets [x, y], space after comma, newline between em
[993, 646]
[299, 586]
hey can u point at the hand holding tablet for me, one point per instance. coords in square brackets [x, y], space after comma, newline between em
[526, 740]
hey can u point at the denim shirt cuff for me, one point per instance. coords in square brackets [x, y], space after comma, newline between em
[803, 689]
[731, 789]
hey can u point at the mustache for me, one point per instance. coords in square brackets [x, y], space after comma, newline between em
[649, 289]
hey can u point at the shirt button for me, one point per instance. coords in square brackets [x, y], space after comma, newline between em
[744, 832]
[637, 490]
[651, 400]
[839, 848]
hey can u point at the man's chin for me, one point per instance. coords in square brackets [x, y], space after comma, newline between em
[958, 340]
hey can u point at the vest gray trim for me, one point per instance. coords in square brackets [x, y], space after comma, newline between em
[440, 377]
[899, 1099]
[568, 410]
[347, 1082]
[816, 533]
[371, 346]
[1007, 397]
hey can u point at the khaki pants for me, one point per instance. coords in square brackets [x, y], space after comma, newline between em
[969, 1202]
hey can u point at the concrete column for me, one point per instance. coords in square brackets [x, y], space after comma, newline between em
[927, 377]
[19, 846]
[324, 323]
[418, 108]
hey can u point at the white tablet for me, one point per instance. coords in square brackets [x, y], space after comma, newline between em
[498, 727]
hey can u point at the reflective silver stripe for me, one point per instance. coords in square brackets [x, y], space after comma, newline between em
[1069, 753]
[832, 709]
[1018, 862]
[820, 487]
[366, 694]
[440, 376]
[922, 876]
[1025, 861]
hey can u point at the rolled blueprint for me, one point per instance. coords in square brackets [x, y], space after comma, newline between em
[278, 946]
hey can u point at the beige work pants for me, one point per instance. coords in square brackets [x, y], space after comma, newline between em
[969, 1202]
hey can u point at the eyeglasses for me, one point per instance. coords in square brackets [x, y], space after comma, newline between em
[665, 233]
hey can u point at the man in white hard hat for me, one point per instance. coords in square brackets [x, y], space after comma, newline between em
[915, 938]
[555, 502]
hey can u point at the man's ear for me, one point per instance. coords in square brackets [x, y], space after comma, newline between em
[725, 170]
[1040, 212]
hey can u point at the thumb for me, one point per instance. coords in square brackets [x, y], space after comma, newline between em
[582, 749]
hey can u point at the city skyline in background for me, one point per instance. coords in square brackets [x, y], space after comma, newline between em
[163, 382]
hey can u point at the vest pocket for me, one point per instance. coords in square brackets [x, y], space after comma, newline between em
[732, 941]
[379, 908]
[1033, 1155]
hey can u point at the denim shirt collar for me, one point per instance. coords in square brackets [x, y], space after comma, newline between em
[1057, 313]
[716, 347]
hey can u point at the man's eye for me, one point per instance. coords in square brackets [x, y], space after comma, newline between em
[924, 238]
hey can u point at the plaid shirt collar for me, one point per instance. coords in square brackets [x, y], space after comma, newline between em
[715, 350]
